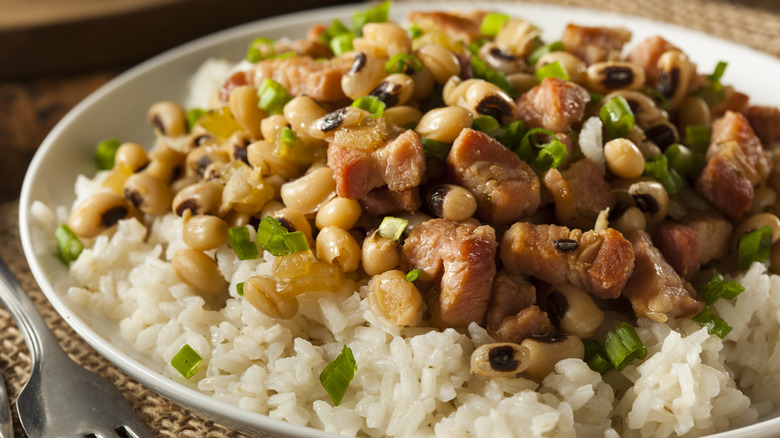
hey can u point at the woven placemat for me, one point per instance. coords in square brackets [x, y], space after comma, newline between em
[753, 23]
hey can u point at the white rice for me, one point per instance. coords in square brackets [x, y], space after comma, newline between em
[415, 382]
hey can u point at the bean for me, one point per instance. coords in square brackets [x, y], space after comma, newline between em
[517, 37]
[204, 232]
[379, 254]
[148, 194]
[199, 271]
[444, 124]
[168, 118]
[366, 73]
[574, 310]
[272, 124]
[544, 353]
[396, 299]
[340, 212]
[301, 112]
[624, 159]
[607, 76]
[260, 154]
[294, 220]
[97, 213]
[261, 293]
[693, 111]
[441, 62]
[402, 116]
[202, 198]
[499, 60]
[310, 191]
[384, 40]
[499, 359]
[394, 90]
[132, 156]
[488, 99]
[452, 202]
[334, 244]
[674, 74]
[574, 66]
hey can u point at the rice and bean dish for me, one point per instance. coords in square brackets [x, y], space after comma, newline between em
[449, 226]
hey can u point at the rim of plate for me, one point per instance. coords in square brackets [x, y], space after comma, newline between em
[239, 36]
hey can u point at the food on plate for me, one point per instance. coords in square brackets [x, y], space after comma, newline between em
[448, 225]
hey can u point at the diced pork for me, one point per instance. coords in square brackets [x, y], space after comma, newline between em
[681, 247]
[654, 289]
[505, 187]
[736, 162]
[529, 322]
[599, 262]
[595, 44]
[646, 55]
[382, 201]
[765, 121]
[579, 192]
[554, 105]
[458, 265]
[461, 26]
[399, 165]
[510, 296]
[305, 75]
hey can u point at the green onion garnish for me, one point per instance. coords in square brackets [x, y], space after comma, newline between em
[552, 70]
[377, 14]
[698, 138]
[658, 167]
[260, 48]
[187, 361]
[415, 31]
[69, 246]
[596, 97]
[413, 275]
[240, 289]
[336, 28]
[617, 117]
[337, 375]
[295, 242]
[392, 227]
[477, 44]
[486, 124]
[242, 244]
[372, 104]
[193, 114]
[480, 70]
[555, 46]
[622, 345]
[717, 287]
[680, 158]
[595, 357]
[105, 152]
[512, 134]
[288, 137]
[273, 96]
[403, 63]
[717, 74]
[342, 43]
[754, 246]
[715, 324]
[552, 154]
[273, 237]
[714, 93]
[435, 149]
[492, 23]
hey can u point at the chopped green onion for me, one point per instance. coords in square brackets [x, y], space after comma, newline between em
[486, 124]
[403, 63]
[260, 48]
[377, 14]
[295, 242]
[335, 29]
[415, 31]
[477, 44]
[658, 167]
[717, 74]
[714, 324]
[240, 289]
[69, 246]
[511, 134]
[754, 246]
[392, 227]
[680, 158]
[273, 237]
[413, 275]
[596, 97]
[372, 104]
[714, 93]
[658, 97]
[595, 357]
[622, 345]
[617, 117]
[193, 115]
[717, 287]
[698, 138]
[342, 43]
[187, 361]
[105, 152]
[337, 375]
[552, 70]
[273, 96]
[555, 46]
[492, 23]
[552, 154]
[288, 137]
[480, 70]
[435, 149]
[242, 243]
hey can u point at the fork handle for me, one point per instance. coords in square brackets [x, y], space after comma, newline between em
[36, 332]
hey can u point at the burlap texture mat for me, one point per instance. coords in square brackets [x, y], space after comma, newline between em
[753, 23]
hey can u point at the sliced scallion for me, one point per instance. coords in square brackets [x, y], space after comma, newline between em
[392, 227]
[273, 237]
[595, 357]
[658, 167]
[336, 28]
[260, 48]
[477, 44]
[435, 149]
[287, 137]
[480, 70]
[486, 124]
[492, 23]
[717, 287]
[372, 104]
[187, 361]
[105, 152]
[376, 14]
[342, 43]
[552, 70]
[69, 246]
[617, 117]
[295, 242]
[242, 244]
[403, 63]
[714, 324]
[240, 289]
[697, 137]
[555, 46]
[622, 345]
[680, 158]
[415, 31]
[273, 96]
[413, 275]
[714, 93]
[193, 114]
[754, 246]
[552, 154]
[338, 374]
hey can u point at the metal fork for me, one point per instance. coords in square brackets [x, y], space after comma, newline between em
[61, 398]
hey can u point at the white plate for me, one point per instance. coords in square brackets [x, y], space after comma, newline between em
[118, 110]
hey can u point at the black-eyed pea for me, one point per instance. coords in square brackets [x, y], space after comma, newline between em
[574, 66]
[755, 222]
[499, 359]
[574, 310]
[261, 293]
[270, 125]
[395, 299]
[650, 197]
[544, 353]
[499, 60]
[402, 116]
[379, 254]
[236, 146]
[148, 194]
[340, 212]
[346, 117]
[517, 37]
[444, 124]
[165, 162]
[693, 111]
[168, 119]
[440, 61]
[454, 90]
[624, 159]
[453, 202]
[366, 73]
[310, 191]
[204, 232]
[200, 158]
[260, 154]
[423, 84]
[674, 75]
[97, 213]
[394, 90]
[645, 110]
[663, 134]
[132, 156]
[629, 220]
[522, 82]
[294, 220]
[243, 102]
[604, 77]
[203, 197]
[384, 40]
[300, 113]
[487, 99]
[270, 208]
[335, 245]
[199, 271]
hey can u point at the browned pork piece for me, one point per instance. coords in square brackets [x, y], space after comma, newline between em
[646, 55]
[510, 296]
[382, 201]
[765, 121]
[654, 289]
[701, 237]
[580, 193]
[599, 262]
[736, 162]
[399, 165]
[458, 264]
[321, 80]
[505, 187]
[595, 44]
[527, 323]
[554, 104]
[463, 26]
